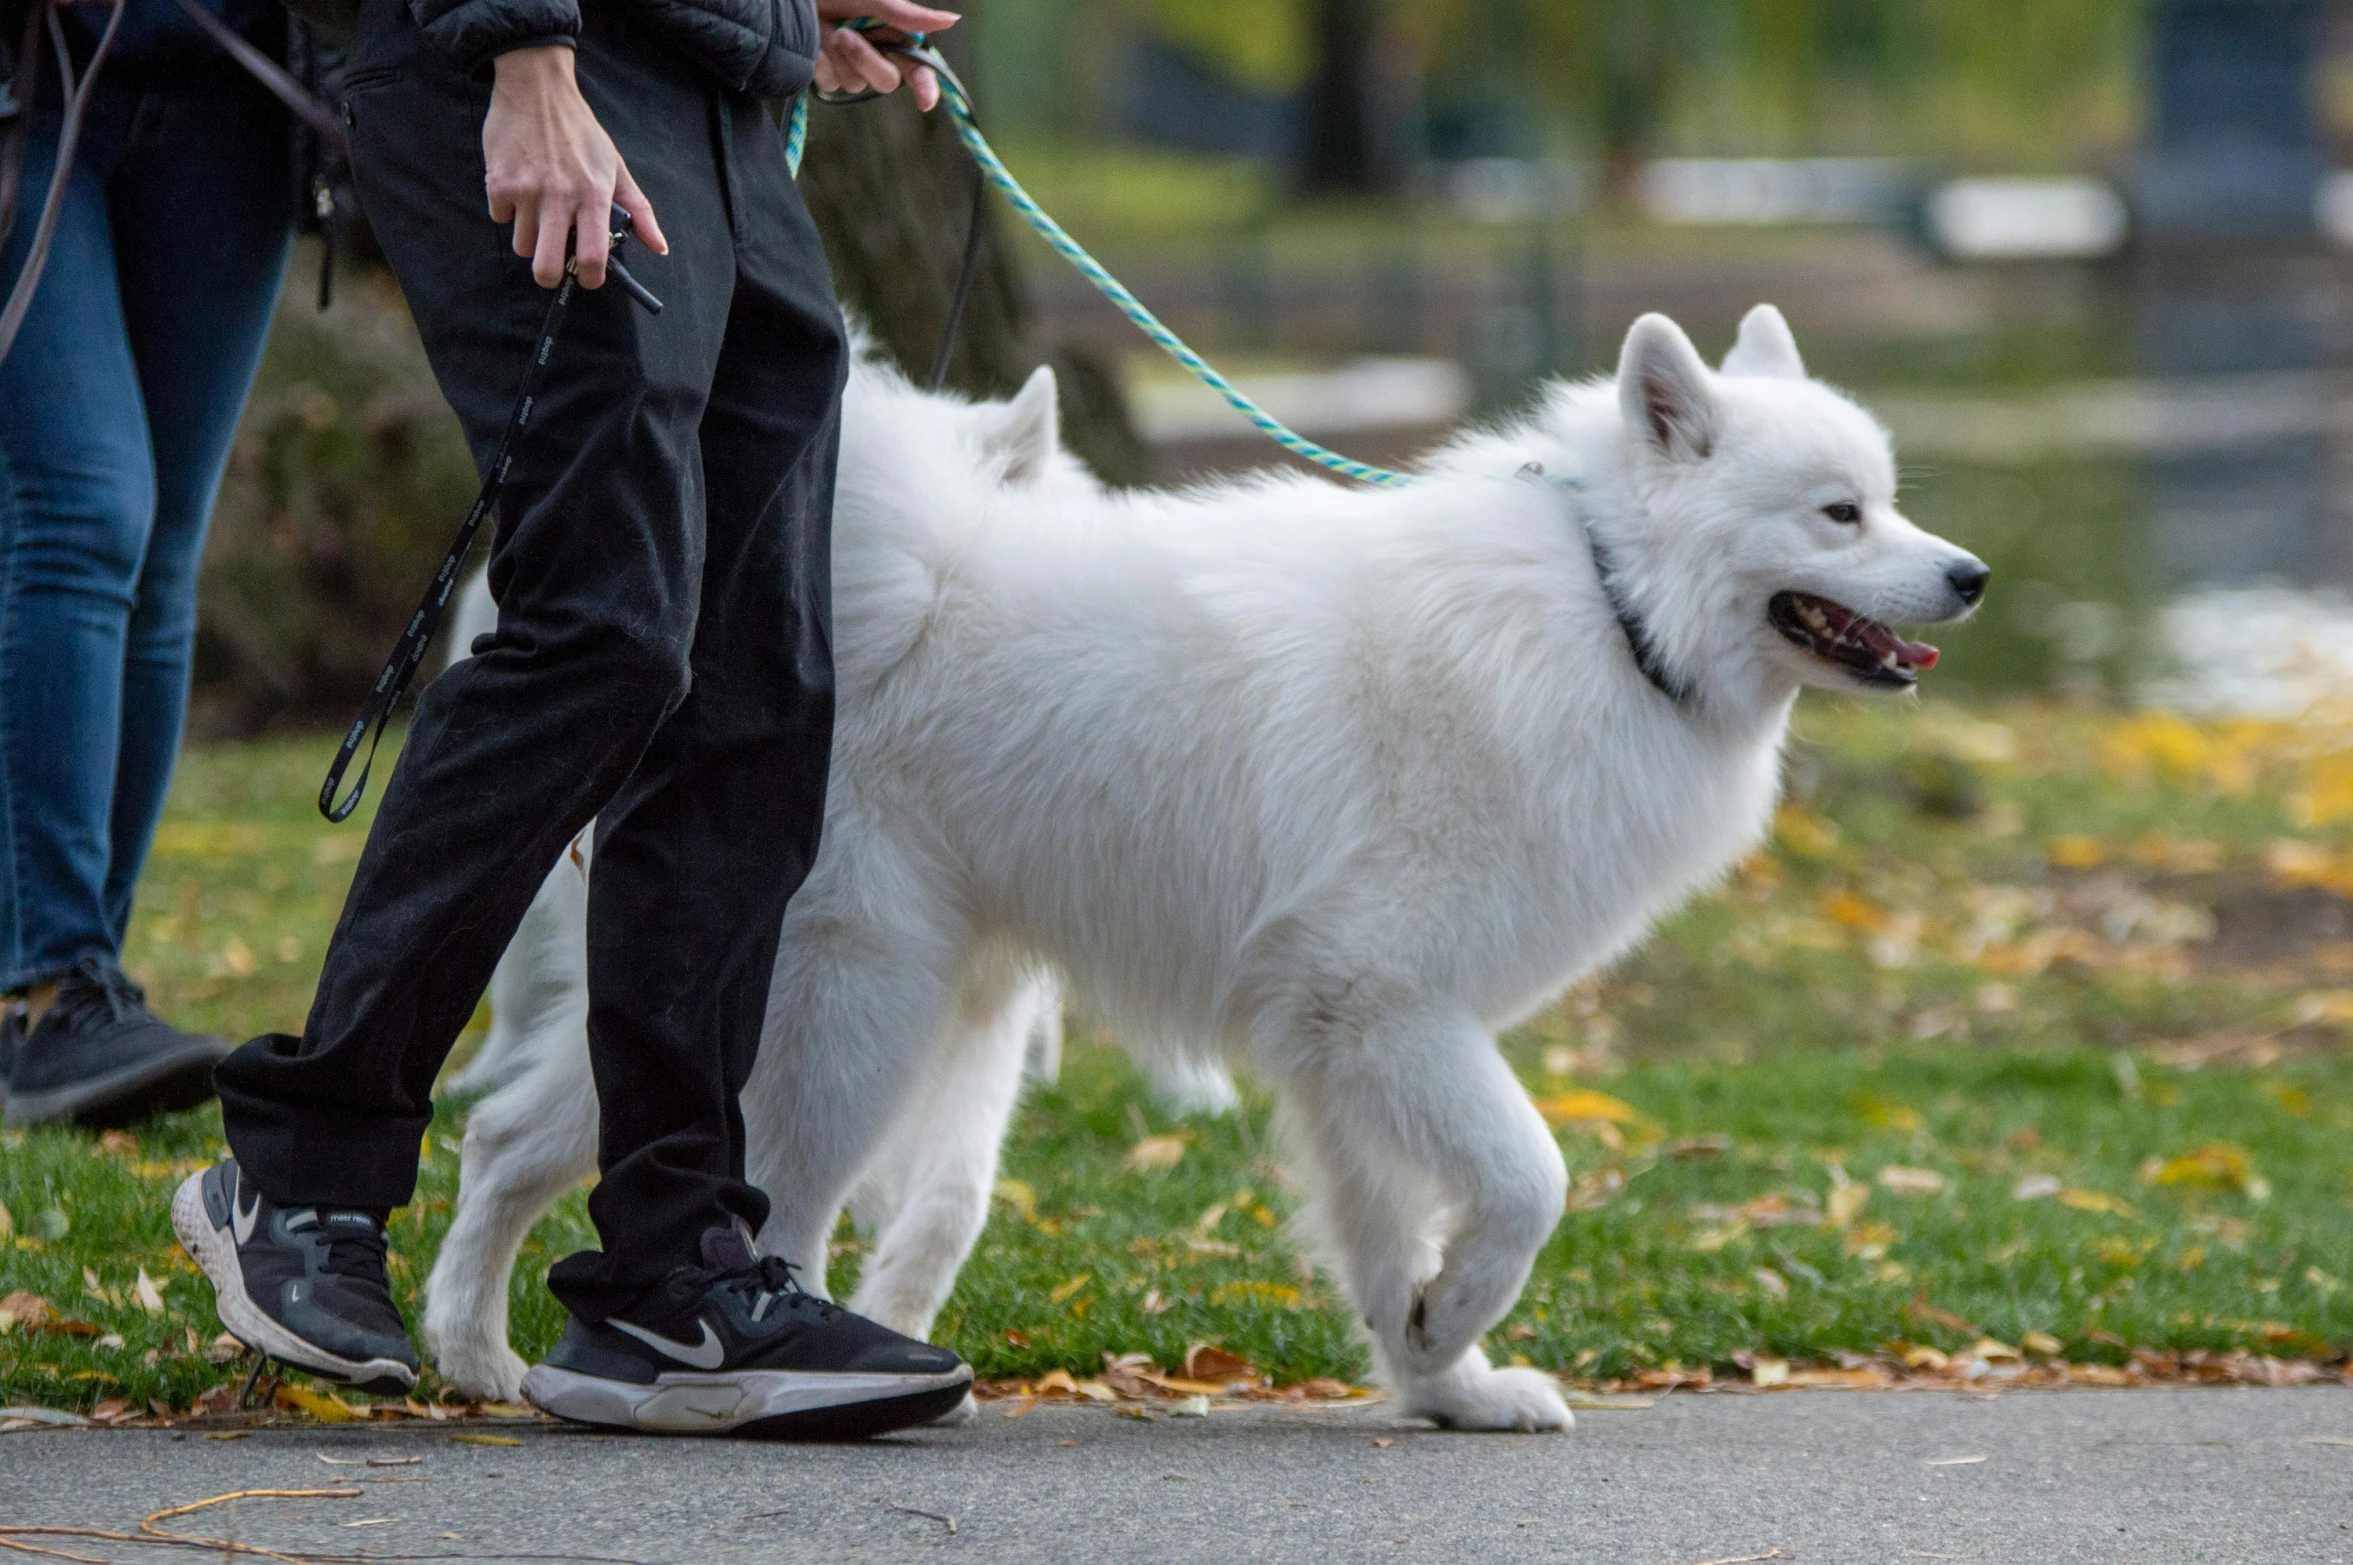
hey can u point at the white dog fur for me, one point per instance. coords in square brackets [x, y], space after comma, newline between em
[1327, 783]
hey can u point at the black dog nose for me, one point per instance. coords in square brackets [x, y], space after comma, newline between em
[1968, 578]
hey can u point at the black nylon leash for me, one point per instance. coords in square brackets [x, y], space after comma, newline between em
[409, 655]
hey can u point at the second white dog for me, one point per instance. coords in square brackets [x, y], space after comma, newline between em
[1327, 783]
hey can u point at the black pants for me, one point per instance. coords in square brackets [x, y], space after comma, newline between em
[661, 663]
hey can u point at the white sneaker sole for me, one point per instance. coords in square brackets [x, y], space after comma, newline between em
[215, 1250]
[759, 1404]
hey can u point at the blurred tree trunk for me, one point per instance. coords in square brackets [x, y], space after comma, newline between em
[891, 191]
[1348, 148]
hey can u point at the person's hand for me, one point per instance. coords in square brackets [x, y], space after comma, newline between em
[848, 63]
[552, 171]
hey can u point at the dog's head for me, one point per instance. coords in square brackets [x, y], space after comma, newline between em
[1769, 501]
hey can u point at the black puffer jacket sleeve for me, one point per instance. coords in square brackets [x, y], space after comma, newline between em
[767, 48]
[475, 32]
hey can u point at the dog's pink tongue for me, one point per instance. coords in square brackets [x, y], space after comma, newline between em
[1917, 653]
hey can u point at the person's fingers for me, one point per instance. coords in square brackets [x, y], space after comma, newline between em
[632, 200]
[526, 214]
[593, 221]
[925, 84]
[829, 75]
[909, 17]
[863, 61]
[547, 253]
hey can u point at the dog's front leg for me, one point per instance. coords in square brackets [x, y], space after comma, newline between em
[1418, 1116]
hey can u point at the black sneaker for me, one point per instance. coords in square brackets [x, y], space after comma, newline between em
[303, 1284]
[101, 1057]
[740, 1349]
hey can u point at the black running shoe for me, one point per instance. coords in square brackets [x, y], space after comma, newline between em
[740, 1349]
[303, 1284]
[101, 1057]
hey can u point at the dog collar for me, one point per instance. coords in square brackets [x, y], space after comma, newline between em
[1646, 651]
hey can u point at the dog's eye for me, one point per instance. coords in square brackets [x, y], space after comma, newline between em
[1844, 511]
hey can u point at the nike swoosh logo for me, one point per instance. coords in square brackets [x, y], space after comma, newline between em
[707, 1354]
[242, 1219]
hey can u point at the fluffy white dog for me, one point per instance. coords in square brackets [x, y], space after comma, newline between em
[1327, 783]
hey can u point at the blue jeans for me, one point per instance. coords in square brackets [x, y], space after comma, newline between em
[117, 405]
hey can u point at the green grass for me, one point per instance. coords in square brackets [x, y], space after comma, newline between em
[1998, 944]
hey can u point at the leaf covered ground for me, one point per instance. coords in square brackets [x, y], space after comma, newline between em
[2023, 1044]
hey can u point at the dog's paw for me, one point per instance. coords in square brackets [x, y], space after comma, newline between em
[964, 1412]
[1473, 1396]
[481, 1372]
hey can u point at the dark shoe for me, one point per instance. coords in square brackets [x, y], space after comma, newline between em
[740, 1349]
[303, 1284]
[101, 1057]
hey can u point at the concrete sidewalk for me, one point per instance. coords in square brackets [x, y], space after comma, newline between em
[2030, 1478]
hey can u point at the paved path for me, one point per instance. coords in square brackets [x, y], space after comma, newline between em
[2031, 1478]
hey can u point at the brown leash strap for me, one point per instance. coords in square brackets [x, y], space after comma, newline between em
[306, 104]
[77, 102]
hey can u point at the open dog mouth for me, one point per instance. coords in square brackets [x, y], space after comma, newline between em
[1857, 643]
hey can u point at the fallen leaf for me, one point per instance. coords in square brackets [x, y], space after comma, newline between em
[1993, 1349]
[1921, 1309]
[508, 1410]
[1017, 1194]
[1155, 1152]
[2215, 1166]
[7, 1223]
[1581, 1103]
[110, 1410]
[2034, 1187]
[2097, 1201]
[1607, 1402]
[475, 1439]
[1383, 1442]
[1190, 1407]
[1064, 1291]
[149, 1296]
[1921, 1356]
[1206, 1362]
[1845, 1202]
[326, 1409]
[1324, 1389]
[2042, 1344]
[1764, 1370]
[1969, 1460]
[1154, 1304]
[1910, 1181]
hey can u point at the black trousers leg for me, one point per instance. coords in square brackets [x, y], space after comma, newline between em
[661, 654]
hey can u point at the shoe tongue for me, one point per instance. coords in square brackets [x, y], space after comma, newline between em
[727, 1249]
[348, 1221]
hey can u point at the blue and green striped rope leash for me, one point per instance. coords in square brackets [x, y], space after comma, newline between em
[959, 104]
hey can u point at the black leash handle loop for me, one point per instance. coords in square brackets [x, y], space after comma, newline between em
[409, 655]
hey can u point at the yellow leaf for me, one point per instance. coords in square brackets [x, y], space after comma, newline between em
[472, 1439]
[1910, 1181]
[1886, 1113]
[2074, 852]
[1845, 1202]
[326, 1409]
[2097, 1201]
[1764, 1371]
[2042, 1344]
[1071, 1287]
[1992, 1349]
[1566, 1108]
[1844, 907]
[1279, 1295]
[7, 1223]
[1155, 1152]
[2215, 1166]
[1017, 1194]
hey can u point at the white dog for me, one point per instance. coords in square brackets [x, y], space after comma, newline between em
[1329, 783]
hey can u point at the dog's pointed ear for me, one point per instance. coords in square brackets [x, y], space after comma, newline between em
[1029, 428]
[1664, 391]
[1766, 347]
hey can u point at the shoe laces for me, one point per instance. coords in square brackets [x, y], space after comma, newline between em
[772, 1277]
[95, 985]
[354, 1251]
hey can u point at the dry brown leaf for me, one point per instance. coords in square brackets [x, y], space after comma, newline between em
[470, 1438]
[1899, 1180]
[1207, 1362]
[1155, 1152]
